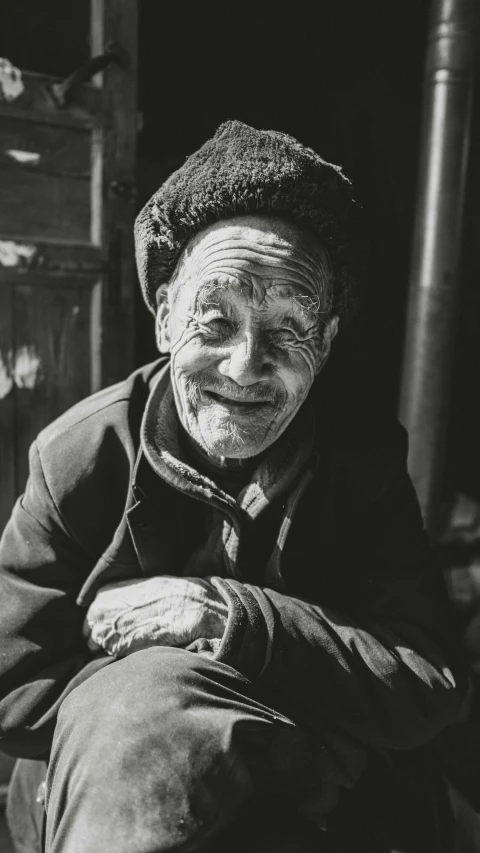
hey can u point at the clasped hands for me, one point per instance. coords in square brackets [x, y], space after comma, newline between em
[159, 611]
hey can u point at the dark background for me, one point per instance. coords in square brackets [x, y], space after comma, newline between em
[346, 79]
[343, 77]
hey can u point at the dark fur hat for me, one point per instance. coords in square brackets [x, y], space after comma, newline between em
[243, 170]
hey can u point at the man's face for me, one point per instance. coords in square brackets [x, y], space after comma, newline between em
[243, 322]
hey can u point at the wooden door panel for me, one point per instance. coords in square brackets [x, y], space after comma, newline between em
[48, 335]
[44, 206]
[53, 351]
[67, 275]
[34, 102]
[40, 148]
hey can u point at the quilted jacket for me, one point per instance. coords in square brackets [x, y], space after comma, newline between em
[335, 599]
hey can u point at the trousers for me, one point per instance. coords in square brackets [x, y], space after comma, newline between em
[166, 750]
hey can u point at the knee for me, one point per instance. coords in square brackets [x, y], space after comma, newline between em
[159, 701]
[124, 702]
[142, 732]
[140, 676]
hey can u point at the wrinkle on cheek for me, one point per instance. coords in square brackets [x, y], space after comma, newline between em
[314, 351]
[312, 355]
[310, 352]
[188, 330]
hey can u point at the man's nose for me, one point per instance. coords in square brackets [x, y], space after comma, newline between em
[246, 363]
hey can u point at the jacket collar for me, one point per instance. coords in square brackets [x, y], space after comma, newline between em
[136, 546]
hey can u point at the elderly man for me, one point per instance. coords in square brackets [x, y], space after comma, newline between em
[222, 625]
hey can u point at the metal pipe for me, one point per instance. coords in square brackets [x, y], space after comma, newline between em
[429, 341]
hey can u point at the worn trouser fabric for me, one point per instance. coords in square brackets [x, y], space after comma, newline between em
[169, 751]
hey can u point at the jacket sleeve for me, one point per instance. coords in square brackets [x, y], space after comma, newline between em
[42, 653]
[380, 662]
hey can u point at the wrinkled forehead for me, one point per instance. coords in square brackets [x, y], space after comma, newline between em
[265, 229]
[263, 253]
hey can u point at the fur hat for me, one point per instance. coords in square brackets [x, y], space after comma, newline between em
[242, 170]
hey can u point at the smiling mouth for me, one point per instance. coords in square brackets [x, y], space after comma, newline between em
[232, 403]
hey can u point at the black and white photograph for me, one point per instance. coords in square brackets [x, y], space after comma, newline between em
[239, 426]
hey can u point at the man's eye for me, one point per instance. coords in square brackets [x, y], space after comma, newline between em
[219, 327]
[283, 337]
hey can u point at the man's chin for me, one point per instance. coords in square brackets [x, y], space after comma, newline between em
[235, 437]
[232, 451]
[233, 448]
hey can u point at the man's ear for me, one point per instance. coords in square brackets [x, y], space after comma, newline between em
[329, 333]
[162, 319]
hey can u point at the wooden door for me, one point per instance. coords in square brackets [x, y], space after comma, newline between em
[66, 247]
